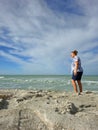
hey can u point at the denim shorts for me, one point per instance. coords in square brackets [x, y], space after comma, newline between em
[78, 76]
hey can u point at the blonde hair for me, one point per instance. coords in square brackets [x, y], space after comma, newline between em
[75, 52]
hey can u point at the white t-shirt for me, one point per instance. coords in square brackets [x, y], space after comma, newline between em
[80, 69]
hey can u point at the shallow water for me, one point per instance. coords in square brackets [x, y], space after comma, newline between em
[46, 82]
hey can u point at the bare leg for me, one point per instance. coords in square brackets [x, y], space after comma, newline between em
[80, 85]
[74, 85]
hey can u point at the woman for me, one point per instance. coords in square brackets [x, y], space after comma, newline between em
[77, 72]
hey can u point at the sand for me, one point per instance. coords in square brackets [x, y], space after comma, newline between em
[48, 110]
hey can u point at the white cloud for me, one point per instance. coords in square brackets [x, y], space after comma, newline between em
[46, 36]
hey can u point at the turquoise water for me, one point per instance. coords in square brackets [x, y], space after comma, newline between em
[46, 82]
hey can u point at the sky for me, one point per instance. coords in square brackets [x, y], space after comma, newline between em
[37, 36]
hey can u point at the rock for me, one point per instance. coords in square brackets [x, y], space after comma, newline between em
[56, 109]
[5, 96]
[71, 108]
[68, 108]
[88, 92]
[3, 104]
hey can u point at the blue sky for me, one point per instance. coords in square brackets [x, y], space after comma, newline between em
[37, 36]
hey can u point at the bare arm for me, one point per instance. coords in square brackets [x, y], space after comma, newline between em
[76, 68]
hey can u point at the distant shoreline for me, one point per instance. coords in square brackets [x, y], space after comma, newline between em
[41, 75]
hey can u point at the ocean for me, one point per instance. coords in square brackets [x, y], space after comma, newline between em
[46, 82]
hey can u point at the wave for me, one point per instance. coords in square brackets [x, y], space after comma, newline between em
[91, 82]
[1, 77]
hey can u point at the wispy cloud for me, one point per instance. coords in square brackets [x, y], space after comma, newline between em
[39, 35]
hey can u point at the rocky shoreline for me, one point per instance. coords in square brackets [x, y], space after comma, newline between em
[48, 110]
